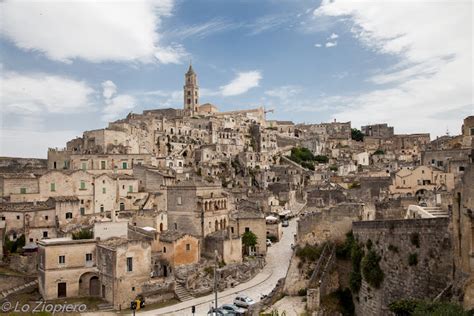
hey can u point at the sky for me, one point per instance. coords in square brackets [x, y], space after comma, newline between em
[67, 67]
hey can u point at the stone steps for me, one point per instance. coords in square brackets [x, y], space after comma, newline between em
[16, 289]
[105, 307]
[182, 293]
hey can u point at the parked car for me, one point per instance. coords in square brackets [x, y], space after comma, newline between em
[234, 309]
[243, 301]
[219, 312]
[285, 223]
[269, 242]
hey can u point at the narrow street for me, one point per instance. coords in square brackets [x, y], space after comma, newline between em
[278, 259]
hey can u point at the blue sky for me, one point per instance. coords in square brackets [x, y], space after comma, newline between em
[70, 67]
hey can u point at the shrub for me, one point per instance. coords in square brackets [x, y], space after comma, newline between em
[415, 239]
[343, 251]
[379, 152]
[407, 307]
[354, 185]
[309, 252]
[412, 259]
[371, 269]
[83, 234]
[369, 244]
[333, 168]
[357, 135]
[355, 278]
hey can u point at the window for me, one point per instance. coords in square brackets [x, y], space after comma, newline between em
[18, 217]
[46, 217]
[461, 168]
[82, 210]
[83, 185]
[124, 165]
[84, 166]
[179, 200]
[53, 187]
[232, 230]
[82, 201]
[104, 190]
[129, 264]
[88, 257]
[164, 249]
[45, 234]
[102, 165]
[188, 247]
[102, 208]
[62, 259]
[23, 190]
[247, 229]
[130, 188]
[175, 226]
[68, 215]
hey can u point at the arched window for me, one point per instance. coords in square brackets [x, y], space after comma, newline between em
[164, 249]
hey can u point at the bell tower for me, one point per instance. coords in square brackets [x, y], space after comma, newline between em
[191, 91]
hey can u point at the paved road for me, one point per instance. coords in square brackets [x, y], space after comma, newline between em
[278, 260]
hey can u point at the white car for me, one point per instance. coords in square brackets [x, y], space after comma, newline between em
[243, 301]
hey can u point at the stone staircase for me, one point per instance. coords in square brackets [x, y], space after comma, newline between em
[19, 288]
[436, 212]
[105, 307]
[182, 293]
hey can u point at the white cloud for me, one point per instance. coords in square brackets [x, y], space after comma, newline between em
[317, 45]
[242, 83]
[284, 93]
[95, 31]
[116, 106]
[331, 44]
[204, 30]
[36, 93]
[171, 55]
[333, 36]
[434, 75]
[109, 89]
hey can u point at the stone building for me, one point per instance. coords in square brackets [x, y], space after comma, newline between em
[421, 181]
[378, 130]
[67, 268]
[197, 208]
[249, 217]
[179, 248]
[123, 266]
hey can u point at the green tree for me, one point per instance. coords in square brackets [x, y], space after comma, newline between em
[83, 234]
[249, 239]
[357, 135]
[371, 269]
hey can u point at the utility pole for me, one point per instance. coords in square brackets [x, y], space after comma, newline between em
[215, 279]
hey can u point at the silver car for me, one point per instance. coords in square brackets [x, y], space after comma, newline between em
[243, 301]
[233, 309]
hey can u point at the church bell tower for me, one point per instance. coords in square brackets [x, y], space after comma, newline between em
[191, 91]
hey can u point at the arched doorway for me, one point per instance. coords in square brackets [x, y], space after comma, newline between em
[94, 286]
[89, 284]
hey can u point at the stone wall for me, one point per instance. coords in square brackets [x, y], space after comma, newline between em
[329, 224]
[395, 241]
